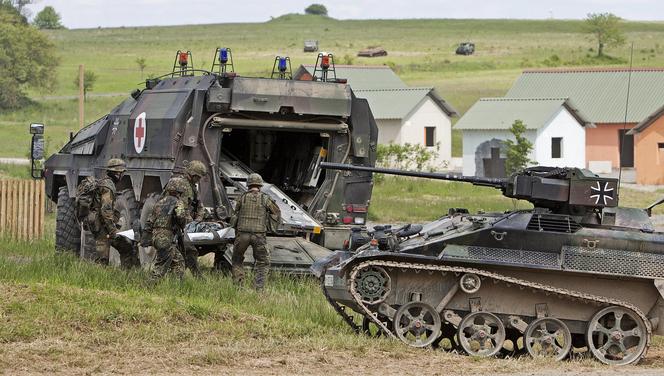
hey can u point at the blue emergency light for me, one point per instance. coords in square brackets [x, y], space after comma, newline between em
[282, 64]
[223, 56]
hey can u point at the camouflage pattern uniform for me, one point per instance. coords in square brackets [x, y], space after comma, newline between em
[194, 172]
[168, 218]
[251, 225]
[106, 218]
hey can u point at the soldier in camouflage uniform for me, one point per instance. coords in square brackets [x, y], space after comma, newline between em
[106, 218]
[251, 223]
[167, 220]
[189, 183]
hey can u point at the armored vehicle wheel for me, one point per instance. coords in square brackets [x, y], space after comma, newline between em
[617, 336]
[548, 337]
[481, 334]
[126, 204]
[417, 324]
[67, 228]
[373, 284]
[147, 255]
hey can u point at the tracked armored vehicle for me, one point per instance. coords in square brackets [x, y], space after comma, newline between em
[575, 273]
[236, 125]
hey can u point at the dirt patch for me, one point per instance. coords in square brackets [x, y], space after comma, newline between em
[250, 357]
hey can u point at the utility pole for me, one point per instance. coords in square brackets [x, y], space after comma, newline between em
[81, 97]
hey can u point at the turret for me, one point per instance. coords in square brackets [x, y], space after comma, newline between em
[562, 190]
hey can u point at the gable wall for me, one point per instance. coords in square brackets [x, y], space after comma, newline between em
[564, 125]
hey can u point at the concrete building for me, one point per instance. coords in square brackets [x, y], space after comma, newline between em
[649, 149]
[554, 126]
[414, 115]
[601, 95]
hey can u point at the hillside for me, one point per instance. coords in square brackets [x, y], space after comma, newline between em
[420, 51]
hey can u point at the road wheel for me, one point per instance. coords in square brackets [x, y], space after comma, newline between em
[67, 228]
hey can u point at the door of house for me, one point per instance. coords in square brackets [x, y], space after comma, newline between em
[494, 167]
[626, 145]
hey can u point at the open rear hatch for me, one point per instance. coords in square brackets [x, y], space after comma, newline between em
[291, 252]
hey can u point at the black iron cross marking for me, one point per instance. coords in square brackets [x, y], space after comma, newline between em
[602, 194]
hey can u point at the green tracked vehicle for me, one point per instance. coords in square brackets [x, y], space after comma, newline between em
[575, 274]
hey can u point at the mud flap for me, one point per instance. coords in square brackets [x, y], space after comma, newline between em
[287, 255]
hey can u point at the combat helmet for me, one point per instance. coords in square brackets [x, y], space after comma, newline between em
[196, 168]
[116, 165]
[254, 180]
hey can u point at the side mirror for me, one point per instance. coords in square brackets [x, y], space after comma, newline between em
[37, 150]
[36, 128]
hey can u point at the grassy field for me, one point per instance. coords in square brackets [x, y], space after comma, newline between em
[60, 117]
[420, 51]
[61, 315]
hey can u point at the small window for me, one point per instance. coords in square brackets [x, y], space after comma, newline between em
[430, 136]
[660, 152]
[556, 147]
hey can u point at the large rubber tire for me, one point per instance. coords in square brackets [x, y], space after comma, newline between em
[126, 204]
[147, 254]
[67, 228]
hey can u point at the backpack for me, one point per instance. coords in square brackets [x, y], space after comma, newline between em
[86, 198]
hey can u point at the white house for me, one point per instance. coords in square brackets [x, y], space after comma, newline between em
[414, 115]
[554, 126]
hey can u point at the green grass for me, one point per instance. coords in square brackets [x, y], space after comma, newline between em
[13, 171]
[397, 199]
[59, 116]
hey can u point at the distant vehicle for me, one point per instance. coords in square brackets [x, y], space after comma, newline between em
[465, 48]
[310, 45]
[372, 52]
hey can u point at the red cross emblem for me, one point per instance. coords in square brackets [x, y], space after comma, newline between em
[139, 132]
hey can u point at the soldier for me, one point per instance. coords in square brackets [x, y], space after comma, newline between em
[193, 173]
[106, 219]
[251, 221]
[167, 221]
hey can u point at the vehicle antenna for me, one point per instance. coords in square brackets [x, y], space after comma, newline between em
[622, 142]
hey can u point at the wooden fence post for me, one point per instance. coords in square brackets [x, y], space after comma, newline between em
[3, 206]
[22, 209]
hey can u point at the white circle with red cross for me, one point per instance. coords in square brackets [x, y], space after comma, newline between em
[139, 132]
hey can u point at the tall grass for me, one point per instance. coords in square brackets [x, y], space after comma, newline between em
[68, 289]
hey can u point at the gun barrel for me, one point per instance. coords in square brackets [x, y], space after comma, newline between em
[487, 182]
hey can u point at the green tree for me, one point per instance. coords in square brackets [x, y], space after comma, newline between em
[517, 151]
[48, 18]
[319, 9]
[605, 28]
[141, 65]
[27, 58]
[19, 5]
[89, 79]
